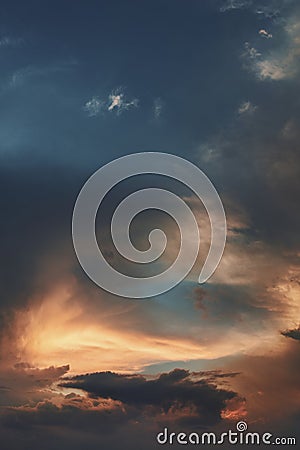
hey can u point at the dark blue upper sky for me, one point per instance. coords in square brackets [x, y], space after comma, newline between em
[183, 61]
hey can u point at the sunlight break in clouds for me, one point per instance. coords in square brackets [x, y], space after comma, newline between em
[58, 329]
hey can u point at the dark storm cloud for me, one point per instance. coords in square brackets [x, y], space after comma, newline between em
[118, 410]
[179, 387]
[293, 333]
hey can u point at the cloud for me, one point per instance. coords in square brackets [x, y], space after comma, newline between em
[267, 190]
[200, 297]
[116, 102]
[24, 383]
[100, 406]
[24, 74]
[93, 106]
[157, 108]
[270, 9]
[293, 333]
[169, 392]
[273, 69]
[270, 384]
[251, 52]
[246, 108]
[280, 63]
[235, 4]
[263, 33]
[7, 41]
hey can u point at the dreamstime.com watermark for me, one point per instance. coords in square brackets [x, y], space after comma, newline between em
[89, 200]
[238, 437]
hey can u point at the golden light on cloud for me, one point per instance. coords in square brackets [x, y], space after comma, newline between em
[235, 409]
[63, 328]
[57, 330]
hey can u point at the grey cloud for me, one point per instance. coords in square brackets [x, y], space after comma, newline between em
[133, 410]
[176, 389]
[293, 333]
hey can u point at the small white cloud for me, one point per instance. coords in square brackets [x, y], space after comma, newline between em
[246, 108]
[117, 102]
[263, 33]
[93, 106]
[157, 108]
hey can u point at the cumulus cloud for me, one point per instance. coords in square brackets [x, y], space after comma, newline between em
[24, 383]
[176, 390]
[102, 404]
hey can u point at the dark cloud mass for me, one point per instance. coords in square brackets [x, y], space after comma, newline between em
[117, 403]
[175, 390]
[294, 334]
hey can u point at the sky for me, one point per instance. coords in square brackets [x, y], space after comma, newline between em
[82, 83]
